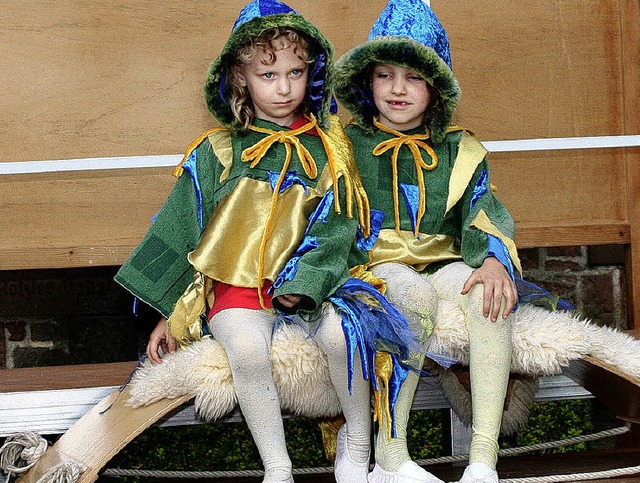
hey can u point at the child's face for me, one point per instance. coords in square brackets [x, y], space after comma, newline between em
[277, 89]
[401, 96]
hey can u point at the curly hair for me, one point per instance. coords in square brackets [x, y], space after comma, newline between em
[270, 41]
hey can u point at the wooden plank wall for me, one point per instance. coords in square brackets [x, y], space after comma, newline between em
[83, 79]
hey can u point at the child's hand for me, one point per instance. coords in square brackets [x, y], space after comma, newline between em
[160, 338]
[289, 301]
[497, 283]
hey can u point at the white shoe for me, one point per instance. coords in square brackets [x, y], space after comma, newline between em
[345, 469]
[479, 473]
[409, 472]
[278, 476]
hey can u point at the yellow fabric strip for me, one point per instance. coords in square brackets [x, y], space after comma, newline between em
[220, 140]
[418, 252]
[184, 322]
[342, 163]
[177, 172]
[483, 223]
[383, 370]
[470, 155]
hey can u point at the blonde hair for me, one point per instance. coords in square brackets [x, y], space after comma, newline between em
[270, 41]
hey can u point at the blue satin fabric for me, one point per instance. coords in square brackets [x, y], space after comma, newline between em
[261, 8]
[480, 188]
[291, 267]
[367, 243]
[415, 20]
[372, 327]
[316, 84]
[322, 210]
[411, 195]
[290, 178]
[191, 167]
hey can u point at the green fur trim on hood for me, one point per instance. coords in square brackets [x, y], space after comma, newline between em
[319, 86]
[353, 79]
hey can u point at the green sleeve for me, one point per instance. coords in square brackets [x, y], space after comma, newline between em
[474, 242]
[158, 272]
[323, 269]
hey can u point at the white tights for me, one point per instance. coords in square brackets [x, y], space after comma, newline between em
[415, 298]
[245, 335]
[490, 356]
[490, 350]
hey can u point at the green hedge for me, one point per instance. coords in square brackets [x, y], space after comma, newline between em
[228, 446]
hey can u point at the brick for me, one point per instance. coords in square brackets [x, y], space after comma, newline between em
[530, 258]
[101, 339]
[3, 347]
[564, 286]
[553, 265]
[606, 255]
[45, 330]
[17, 330]
[599, 302]
[39, 357]
[64, 291]
[564, 251]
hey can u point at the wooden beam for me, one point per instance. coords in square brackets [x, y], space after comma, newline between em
[65, 377]
[630, 22]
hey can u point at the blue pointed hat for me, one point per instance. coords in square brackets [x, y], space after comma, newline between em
[255, 18]
[415, 20]
[261, 8]
[407, 33]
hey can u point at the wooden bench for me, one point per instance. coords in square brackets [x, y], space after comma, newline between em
[119, 112]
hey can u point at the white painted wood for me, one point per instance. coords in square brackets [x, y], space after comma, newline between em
[170, 160]
[55, 411]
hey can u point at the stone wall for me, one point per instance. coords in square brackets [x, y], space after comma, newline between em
[76, 316]
[70, 316]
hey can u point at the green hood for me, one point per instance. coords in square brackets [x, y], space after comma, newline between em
[319, 88]
[407, 34]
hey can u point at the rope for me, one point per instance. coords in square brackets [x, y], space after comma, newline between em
[117, 472]
[207, 474]
[67, 472]
[596, 475]
[534, 447]
[21, 451]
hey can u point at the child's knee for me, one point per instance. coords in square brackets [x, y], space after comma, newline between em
[406, 287]
[330, 335]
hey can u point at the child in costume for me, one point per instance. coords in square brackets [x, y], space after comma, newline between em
[255, 224]
[429, 184]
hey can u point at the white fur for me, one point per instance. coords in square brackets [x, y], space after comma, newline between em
[299, 367]
[543, 342]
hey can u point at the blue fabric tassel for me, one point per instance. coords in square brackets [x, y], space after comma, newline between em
[375, 225]
[290, 178]
[411, 195]
[191, 167]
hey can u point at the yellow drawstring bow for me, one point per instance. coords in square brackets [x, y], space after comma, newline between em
[256, 152]
[414, 142]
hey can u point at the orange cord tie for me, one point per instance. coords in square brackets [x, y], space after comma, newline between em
[414, 142]
[255, 153]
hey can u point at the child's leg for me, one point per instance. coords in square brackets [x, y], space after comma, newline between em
[489, 365]
[415, 298]
[352, 458]
[245, 335]
[490, 349]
